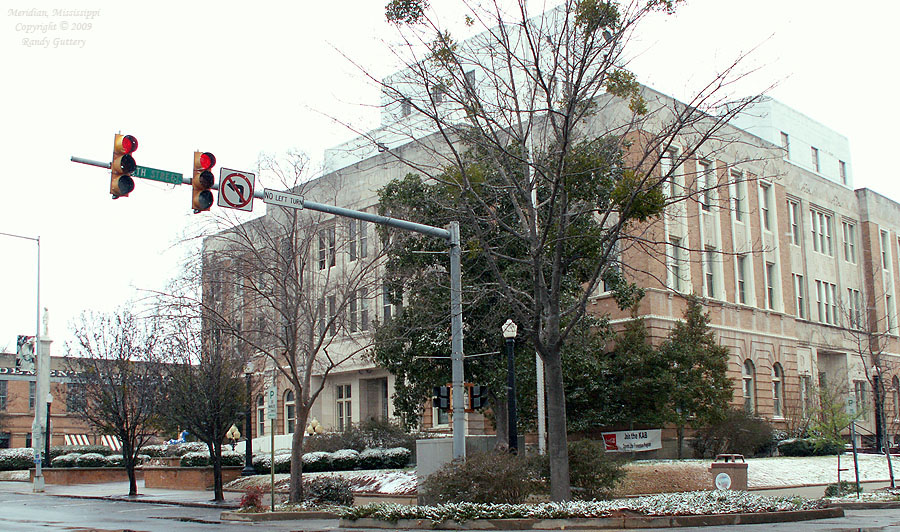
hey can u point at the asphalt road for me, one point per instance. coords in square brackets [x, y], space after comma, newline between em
[40, 512]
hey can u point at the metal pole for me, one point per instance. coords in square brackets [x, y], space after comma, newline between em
[855, 461]
[456, 343]
[248, 434]
[511, 394]
[47, 442]
[541, 404]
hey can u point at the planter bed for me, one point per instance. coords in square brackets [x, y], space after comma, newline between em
[187, 478]
[69, 476]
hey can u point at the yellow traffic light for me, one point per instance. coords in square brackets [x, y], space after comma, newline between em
[123, 165]
[202, 181]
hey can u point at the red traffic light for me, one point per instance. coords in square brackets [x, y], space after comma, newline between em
[205, 161]
[126, 143]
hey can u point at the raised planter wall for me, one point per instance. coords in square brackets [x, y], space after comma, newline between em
[68, 476]
[187, 478]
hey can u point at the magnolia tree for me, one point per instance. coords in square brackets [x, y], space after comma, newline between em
[550, 154]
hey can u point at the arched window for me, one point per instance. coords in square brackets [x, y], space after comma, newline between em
[260, 416]
[895, 395]
[290, 413]
[749, 377]
[778, 390]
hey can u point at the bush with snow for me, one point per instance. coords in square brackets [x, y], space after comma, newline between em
[16, 459]
[317, 461]
[262, 463]
[91, 460]
[344, 460]
[688, 503]
[65, 460]
[195, 459]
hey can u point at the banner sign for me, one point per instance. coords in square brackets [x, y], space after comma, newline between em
[627, 441]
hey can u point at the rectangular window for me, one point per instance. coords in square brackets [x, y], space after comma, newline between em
[786, 144]
[764, 190]
[332, 316]
[842, 170]
[799, 290]
[709, 257]
[437, 94]
[386, 308]
[889, 312]
[405, 107]
[742, 278]
[740, 192]
[806, 396]
[353, 311]
[885, 254]
[344, 405]
[854, 313]
[770, 286]
[794, 215]
[814, 155]
[821, 231]
[359, 311]
[667, 171]
[849, 231]
[707, 182]
[357, 234]
[4, 440]
[31, 396]
[323, 319]
[363, 310]
[826, 299]
[326, 247]
[3, 391]
[676, 264]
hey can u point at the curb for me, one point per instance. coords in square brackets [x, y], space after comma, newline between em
[125, 498]
[275, 516]
[600, 523]
[867, 505]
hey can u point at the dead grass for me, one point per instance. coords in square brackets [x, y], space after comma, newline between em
[642, 479]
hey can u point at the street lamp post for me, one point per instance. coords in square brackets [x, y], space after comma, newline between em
[248, 427]
[47, 443]
[509, 333]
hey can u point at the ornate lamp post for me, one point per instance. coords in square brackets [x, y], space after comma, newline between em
[509, 334]
[248, 425]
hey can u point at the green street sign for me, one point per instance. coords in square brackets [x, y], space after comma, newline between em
[165, 176]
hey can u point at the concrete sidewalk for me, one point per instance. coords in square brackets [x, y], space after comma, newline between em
[118, 491]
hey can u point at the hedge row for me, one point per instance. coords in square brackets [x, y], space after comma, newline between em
[343, 460]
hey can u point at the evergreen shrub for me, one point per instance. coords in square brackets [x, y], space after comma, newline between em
[736, 433]
[491, 477]
[328, 490]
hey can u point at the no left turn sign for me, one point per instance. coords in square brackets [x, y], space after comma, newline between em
[236, 189]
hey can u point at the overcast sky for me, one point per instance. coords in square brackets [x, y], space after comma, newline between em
[238, 79]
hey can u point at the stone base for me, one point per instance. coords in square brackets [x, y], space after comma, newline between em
[187, 478]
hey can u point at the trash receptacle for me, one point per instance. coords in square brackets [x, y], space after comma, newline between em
[728, 473]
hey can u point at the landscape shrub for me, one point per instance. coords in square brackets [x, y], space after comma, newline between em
[378, 458]
[232, 458]
[91, 460]
[115, 460]
[364, 435]
[65, 460]
[317, 461]
[491, 477]
[593, 473]
[810, 447]
[181, 449]
[328, 490]
[195, 459]
[154, 451]
[736, 433]
[841, 489]
[59, 450]
[344, 460]
[251, 500]
[262, 464]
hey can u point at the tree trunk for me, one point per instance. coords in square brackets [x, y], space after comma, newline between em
[560, 489]
[128, 459]
[680, 433]
[296, 489]
[216, 456]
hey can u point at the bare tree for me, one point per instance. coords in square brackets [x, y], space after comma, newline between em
[114, 362]
[204, 388]
[292, 287]
[549, 146]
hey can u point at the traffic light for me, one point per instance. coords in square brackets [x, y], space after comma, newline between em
[441, 397]
[478, 395]
[202, 181]
[123, 165]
